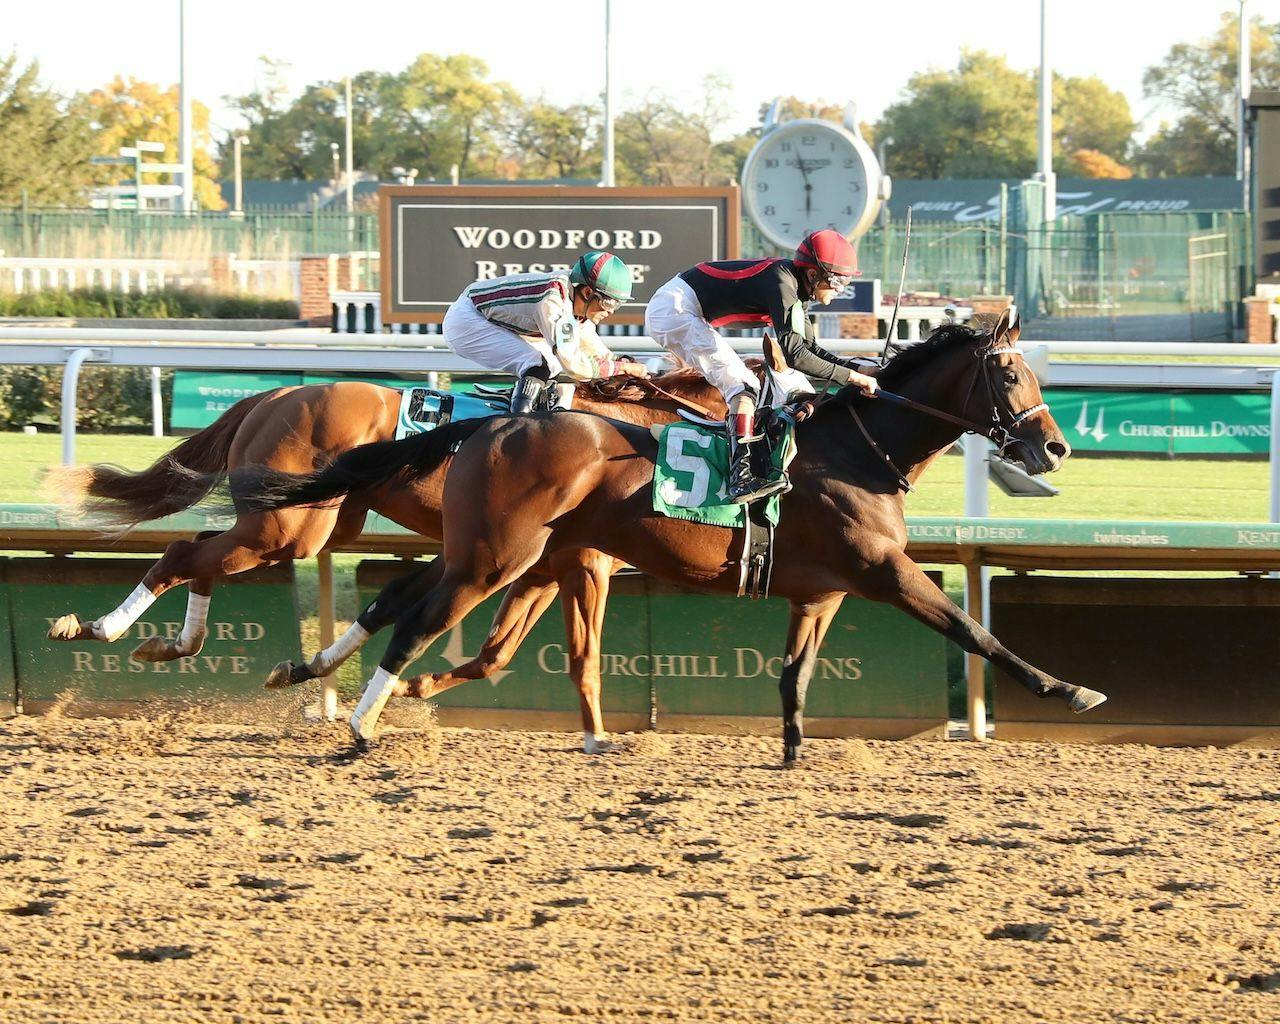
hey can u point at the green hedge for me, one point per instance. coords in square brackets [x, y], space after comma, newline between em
[167, 303]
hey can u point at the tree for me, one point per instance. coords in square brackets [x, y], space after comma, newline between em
[980, 121]
[127, 109]
[438, 112]
[660, 143]
[45, 140]
[1089, 163]
[546, 141]
[1198, 81]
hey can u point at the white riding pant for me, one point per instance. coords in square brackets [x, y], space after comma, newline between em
[491, 345]
[674, 320]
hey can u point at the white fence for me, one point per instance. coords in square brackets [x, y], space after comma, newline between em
[251, 277]
[360, 312]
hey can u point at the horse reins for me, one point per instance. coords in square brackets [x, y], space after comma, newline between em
[998, 432]
[687, 403]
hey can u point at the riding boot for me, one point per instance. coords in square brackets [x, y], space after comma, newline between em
[527, 394]
[744, 485]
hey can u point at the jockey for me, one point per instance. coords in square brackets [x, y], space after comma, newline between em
[684, 313]
[541, 326]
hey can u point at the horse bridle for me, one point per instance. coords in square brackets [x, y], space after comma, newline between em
[998, 430]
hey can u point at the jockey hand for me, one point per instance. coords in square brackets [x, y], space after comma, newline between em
[868, 385]
[632, 369]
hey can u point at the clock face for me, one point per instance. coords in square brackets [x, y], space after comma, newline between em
[807, 175]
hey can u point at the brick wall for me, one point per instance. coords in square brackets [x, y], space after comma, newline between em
[316, 280]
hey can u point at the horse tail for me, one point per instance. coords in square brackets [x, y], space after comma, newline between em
[259, 489]
[177, 480]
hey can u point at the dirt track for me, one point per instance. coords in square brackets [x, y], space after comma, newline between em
[189, 871]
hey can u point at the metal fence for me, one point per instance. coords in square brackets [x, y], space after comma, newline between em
[1099, 268]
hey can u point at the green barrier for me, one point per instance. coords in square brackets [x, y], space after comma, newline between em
[253, 625]
[535, 679]
[702, 657]
[199, 398]
[8, 678]
[1171, 423]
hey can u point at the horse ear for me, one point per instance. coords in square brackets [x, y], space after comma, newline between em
[773, 354]
[1001, 328]
[1015, 325]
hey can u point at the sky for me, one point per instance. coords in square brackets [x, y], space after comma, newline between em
[834, 51]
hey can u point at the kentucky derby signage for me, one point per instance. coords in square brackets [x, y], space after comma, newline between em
[437, 239]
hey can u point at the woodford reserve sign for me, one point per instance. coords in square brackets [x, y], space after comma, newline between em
[437, 239]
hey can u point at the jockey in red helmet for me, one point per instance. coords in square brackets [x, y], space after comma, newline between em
[684, 313]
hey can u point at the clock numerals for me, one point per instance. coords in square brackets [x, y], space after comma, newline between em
[769, 211]
[784, 147]
[848, 163]
[762, 186]
[808, 140]
[770, 163]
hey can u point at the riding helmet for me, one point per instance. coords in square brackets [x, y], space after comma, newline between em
[603, 272]
[829, 251]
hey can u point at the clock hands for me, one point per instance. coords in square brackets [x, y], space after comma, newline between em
[808, 188]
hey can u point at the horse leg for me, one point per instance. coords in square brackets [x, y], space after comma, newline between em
[585, 588]
[194, 627]
[523, 605]
[805, 633]
[900, 582]
[463, 586]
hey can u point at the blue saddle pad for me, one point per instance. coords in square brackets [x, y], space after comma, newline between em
[423, 409]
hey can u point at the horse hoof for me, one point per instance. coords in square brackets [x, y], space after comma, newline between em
[67, 627]
[282, 675]
[154, 649]
[1084, 699]
[596, 744]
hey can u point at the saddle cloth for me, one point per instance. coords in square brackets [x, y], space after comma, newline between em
[423, 409]
[690, 476]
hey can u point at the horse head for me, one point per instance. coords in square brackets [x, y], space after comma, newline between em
[982, 379]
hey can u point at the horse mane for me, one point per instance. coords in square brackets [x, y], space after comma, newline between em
[627, 389]
[910, 359]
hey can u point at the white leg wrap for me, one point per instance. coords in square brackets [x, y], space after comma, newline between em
[114, 624]
[194, 626]
[365, 717]
[340, 650]
[593, 743]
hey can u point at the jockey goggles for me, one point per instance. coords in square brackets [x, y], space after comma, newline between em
[609, 305]
[839, 281]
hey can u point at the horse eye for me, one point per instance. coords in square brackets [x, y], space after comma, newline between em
[1011, 377]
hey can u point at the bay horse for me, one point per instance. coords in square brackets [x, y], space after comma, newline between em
[297, 429]
[520, 489]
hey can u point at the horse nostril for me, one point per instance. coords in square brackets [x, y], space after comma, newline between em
[1059, 449]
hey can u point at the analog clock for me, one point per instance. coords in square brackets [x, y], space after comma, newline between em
[809, 174]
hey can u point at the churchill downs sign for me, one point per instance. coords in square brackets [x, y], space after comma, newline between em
[437, 239]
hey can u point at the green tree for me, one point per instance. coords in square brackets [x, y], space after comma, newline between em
[1198, 82]
[45, 140]
[438, 112]
[661, 143]
[980, 121]
[127, 109]
[546, 141]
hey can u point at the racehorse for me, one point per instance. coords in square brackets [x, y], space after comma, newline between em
[519, 489]
[299, 428]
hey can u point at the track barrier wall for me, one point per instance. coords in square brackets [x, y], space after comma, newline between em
[1182, 661]
[697, 662]
[253, 624]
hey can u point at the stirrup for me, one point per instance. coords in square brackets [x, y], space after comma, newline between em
[758, 489]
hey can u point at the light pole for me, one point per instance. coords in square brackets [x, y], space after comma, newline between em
[350, 173]
[1046, 119]
[240, 140]
[882, 156]
[334, 149]
[1245, 74]
[606, 177]
[185, 155]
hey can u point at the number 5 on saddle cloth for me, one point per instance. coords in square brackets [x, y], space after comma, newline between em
[690, 481]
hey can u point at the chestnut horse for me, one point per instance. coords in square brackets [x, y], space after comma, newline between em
[522, 488]
[297, 429]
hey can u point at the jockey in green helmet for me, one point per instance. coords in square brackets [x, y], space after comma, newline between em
[543, 325]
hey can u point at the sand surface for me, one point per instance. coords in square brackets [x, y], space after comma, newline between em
[187, 870]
